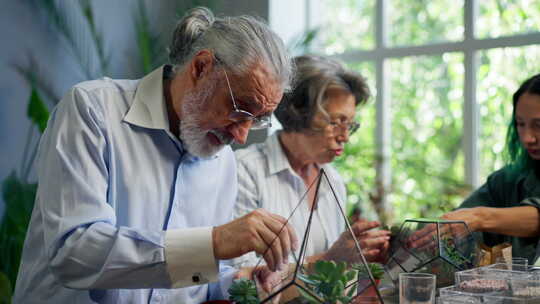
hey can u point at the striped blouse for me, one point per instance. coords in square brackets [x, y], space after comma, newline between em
[266, 180]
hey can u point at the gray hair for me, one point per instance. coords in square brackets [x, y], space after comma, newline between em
[315, 75]
[237, 42]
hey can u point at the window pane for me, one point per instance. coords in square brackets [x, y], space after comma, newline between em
[347, 25]
[357, 166]
[506, 17]
[427, 158]
[500, 73]
[415, 22]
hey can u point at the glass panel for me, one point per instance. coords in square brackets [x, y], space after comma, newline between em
[506, 17]
[347, 25]
[427, 159]
[500, 73]
[416, 22]
[344, 264]
[357, 166]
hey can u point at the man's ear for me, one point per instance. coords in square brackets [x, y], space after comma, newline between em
[201, 65]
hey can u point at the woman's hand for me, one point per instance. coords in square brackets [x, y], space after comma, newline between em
[519, 221]
[473, 217]
[374, 243]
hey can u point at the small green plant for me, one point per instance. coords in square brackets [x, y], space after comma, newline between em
[453, 253]
[243, 291]
[394, 229]
[377, 270]
[394, 233]
[328, 282]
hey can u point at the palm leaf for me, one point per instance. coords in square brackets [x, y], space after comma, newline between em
[37, 111]
[19, 201]
[5, 289]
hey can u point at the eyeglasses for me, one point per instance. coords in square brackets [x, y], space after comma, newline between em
[237, 115]
[339, 127]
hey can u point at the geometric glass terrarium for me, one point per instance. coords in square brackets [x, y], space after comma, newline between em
[440, 247]
[343, 277]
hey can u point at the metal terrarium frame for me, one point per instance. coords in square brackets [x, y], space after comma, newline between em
[446, 248]
[299, 269]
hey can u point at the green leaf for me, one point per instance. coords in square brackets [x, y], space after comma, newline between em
[329, 281]
[307, 279]
[19, 201]
[338, 288]
[308, 296]
[37, 111]
[351, 292]
[349, 276]
[243, 291]
[5, 289]
[377, 270]
[144, 38]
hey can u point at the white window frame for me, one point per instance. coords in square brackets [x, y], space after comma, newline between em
[382, 53]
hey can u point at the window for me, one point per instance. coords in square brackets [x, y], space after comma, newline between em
[443, 73]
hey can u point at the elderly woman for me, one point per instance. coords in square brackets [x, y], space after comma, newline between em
[505, 208]
[318, 117]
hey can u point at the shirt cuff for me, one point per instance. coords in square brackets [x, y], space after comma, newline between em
[531, 201]
[225, 281]
[189, 255]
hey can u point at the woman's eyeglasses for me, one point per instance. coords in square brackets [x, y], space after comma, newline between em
[340, 127]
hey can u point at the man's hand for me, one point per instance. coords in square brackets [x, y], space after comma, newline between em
[260, 231]
[269, 281]
[374, 244]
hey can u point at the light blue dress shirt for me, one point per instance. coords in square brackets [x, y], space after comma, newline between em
[123, 213]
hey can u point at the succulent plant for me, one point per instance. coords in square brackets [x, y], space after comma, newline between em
[377, 270]
[243, 291]
[328, 281]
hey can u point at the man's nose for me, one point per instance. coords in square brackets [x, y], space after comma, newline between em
[240, 131]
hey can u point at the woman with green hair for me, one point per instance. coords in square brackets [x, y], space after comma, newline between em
[506, 207]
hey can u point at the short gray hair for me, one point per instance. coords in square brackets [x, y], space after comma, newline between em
[238, 42]
[315, 75]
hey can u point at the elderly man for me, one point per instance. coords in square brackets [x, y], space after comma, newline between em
[137, 183]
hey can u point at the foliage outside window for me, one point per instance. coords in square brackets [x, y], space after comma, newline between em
[427, 96]
[423, 21]
[356, 166]
[500, 73]
[507, 17]
[348, 25]
[427, 159]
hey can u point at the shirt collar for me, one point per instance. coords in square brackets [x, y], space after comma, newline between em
[277, 160]
[148, 109]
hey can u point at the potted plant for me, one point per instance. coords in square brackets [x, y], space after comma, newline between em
[243, 291]
[328, 282]
[377, 271]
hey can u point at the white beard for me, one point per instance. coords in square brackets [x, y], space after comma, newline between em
[192, 135]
